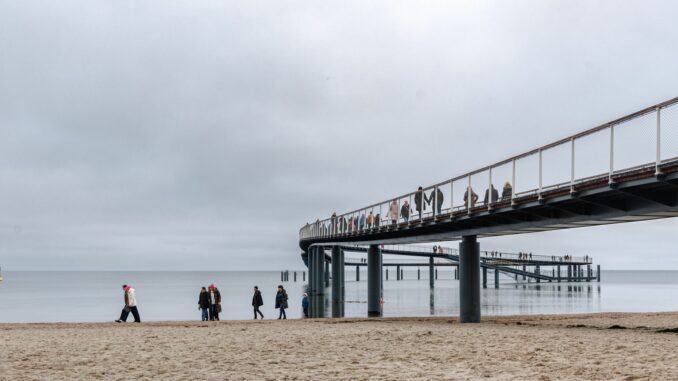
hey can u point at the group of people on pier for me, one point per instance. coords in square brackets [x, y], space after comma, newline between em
[396, 211]
[209, 303]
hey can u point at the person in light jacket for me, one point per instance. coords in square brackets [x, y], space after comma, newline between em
[204, 303]
[281, 302]
[257, 301]
[215, 302]
[393, 211]
[130, 305]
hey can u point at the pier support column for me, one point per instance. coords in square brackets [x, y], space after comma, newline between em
[588, 273]
[386, 270]
[431, 276]
[337, 282]
[397, 272]
[418, 273]
[558, 269]
[469, 284]
[524, 270]
[374, 264]
[320, 282]
[569, 273]
[598, 273]
[456, 273]
[538, 272]
[357, 273]
[311, 282]
[484, 277]
[496, 278]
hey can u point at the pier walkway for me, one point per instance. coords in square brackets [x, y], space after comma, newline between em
[622, 171]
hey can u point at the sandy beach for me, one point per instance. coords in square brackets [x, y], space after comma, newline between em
[566, 347]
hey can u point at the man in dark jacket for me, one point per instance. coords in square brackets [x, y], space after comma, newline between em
[257, 302]
[419, 201]
[436, 200]
[204, 303]
[281, 302]
[491, 191]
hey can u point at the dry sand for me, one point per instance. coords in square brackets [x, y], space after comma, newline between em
[571, 347]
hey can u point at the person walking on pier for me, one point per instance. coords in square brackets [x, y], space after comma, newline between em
[492, 194]
[507, 192]
[204, 303]
[281, 302]
[436, 199]
[370, 220]
[419, 201]
[304, 304]
[473, 197]
[130, 305]
[405, 211]
[215, 302]
[257, 301]
[393, 211]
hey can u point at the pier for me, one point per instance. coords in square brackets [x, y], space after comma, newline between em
[622, 171]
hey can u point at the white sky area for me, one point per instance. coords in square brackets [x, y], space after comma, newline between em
[201, 135]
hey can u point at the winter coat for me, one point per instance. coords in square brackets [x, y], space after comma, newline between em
[130, 299]
[257, 299]
[204, 299]
[304, 302]
[393, 210]
[419, 200]
[405, 211]
[370, 219]
[217, 296]
[281, 299]
[506, 193]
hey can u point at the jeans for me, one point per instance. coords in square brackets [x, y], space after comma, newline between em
[125, 312]
[205, 314]
[256, 311]
[282, 314]
[214, 312]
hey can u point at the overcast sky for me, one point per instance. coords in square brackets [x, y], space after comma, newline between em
[173, 135]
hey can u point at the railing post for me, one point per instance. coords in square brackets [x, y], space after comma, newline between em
[451, 198]
[409, 205]
[657, 170]
[540, 173]
[489, 191]
[513, 179]
[611, 153]
[435, 201]
[572, 167]
[468, 196]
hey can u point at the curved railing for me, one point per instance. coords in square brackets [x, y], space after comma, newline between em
[646, 140]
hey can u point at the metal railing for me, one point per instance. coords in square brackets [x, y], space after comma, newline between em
[645, 140]
[490, 255]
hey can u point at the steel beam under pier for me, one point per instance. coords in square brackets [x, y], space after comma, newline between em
[469, 284]
[374, 281]
[337, 282]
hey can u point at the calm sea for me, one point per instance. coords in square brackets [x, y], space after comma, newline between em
[96, 296]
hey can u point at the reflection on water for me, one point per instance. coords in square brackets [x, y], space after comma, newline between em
[96, 296]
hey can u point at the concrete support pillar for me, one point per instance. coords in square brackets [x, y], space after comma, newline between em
[374, 263]
[397, 272]
[357, 273]
[418, 273]
[588, 273]
[598, 273]
[569, 273]
[319, 298]
[311, 282]
[484, 277]
[496, 278]
[436, 273]
[386, 270]
[469, 285]
[558, 270]
[538, 272]
[524, 270]
[431, 276]
[337, 282]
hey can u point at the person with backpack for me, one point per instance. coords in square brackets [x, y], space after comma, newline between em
[257, 301]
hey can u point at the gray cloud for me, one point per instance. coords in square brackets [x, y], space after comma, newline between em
[203, 135]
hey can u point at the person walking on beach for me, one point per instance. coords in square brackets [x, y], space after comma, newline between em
[304, 304]
[130, 305]
[257, 301]
[204, 303]
[215, 302]
[281, 302]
